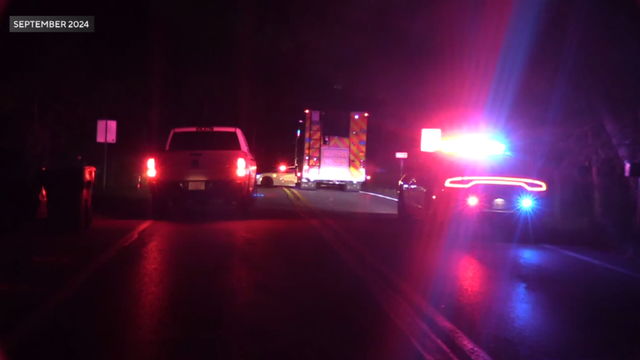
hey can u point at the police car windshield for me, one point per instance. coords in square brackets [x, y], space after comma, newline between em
[204, 141]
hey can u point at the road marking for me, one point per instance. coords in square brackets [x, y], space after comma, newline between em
[378, 195]
[293, 197]
[398, 309]
[593, 261]
[473, 351]
[69, 288]
[468, 346]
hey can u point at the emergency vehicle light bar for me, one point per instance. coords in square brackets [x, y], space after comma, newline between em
[474, 146]
[465, 182]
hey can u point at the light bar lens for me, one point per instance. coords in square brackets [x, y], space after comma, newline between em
[472, 200]
[465, 182]
[431, 139]
[474, 146]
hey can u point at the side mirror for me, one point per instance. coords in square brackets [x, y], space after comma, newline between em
[631, 169]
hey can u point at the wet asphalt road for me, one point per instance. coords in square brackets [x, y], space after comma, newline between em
[311, 275]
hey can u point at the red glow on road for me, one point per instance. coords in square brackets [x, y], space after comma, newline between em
[149, 293]
[470, 274]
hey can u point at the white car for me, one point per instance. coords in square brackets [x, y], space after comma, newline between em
[283, 176]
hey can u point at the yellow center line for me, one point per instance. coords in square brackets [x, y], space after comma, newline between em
[302, 198]
[291, 196]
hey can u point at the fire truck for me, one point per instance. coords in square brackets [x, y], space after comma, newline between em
[332, 149]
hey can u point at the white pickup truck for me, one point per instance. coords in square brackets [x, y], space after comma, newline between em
[203, 164]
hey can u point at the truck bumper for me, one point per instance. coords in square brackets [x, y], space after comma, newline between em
[213, 190]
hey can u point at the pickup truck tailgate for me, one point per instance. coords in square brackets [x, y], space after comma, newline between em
[199, 165]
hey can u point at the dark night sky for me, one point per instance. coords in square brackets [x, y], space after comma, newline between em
[154, 65]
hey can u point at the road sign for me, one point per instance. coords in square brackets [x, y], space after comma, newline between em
[106, 131]
[402, 155]
[106, 134]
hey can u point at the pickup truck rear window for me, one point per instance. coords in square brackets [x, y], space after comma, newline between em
[204, 141]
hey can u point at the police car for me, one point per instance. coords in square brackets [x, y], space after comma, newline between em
[201, 164]
[282, 176]
[469, 175]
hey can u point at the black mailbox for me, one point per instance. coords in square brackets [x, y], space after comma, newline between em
[69, 200]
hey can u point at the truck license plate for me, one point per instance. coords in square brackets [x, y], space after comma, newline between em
[498, 204]
[196, 185]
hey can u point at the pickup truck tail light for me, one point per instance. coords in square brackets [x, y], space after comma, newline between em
[151, 168]
[242, 167]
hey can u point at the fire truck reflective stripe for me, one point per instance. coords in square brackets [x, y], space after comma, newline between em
[339, 142]
[357, 142]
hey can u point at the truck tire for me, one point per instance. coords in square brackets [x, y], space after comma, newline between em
[351, 187]
[158, 207]
[266, 181]
[308, 185]
[245, 204]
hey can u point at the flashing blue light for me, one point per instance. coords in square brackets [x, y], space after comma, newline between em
[298, 132]
[526, 203]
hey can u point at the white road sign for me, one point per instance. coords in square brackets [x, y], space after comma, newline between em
[106, 131]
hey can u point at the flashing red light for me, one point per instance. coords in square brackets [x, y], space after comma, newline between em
[151, 168]
[282, 168]
[306, 111]
[299, 174]
[242, 167]
[366, 114]
[472, 200]
[465, 182]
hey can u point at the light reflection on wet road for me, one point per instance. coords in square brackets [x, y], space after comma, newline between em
[207, 284]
